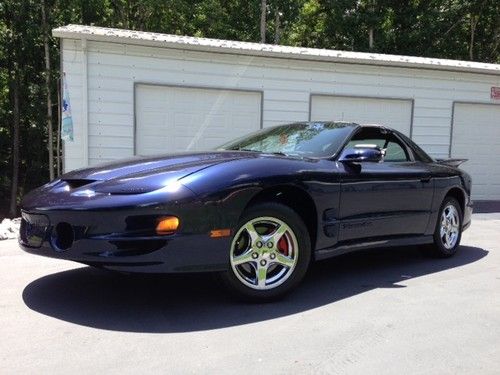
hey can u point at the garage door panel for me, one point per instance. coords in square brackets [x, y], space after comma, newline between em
[241, 100]
[476, 136]
[182, 120]
[395, 113]
[170, 119]
[182, 97]
[245, 121]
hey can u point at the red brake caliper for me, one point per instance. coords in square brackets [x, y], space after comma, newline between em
[283, 245]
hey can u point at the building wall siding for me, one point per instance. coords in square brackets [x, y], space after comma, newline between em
[287, 85]
[72, 66]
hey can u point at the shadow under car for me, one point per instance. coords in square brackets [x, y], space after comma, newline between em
[195, 302]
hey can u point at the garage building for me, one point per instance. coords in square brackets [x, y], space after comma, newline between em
[140, 93]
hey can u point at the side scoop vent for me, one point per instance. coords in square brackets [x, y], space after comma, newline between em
[77, 183]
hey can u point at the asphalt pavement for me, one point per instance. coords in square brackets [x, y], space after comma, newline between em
[388, 311]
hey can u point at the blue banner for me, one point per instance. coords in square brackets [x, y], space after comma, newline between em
[67, 120]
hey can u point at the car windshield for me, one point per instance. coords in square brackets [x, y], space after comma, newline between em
[312, 139]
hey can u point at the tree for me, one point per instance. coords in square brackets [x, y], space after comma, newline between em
[12, 23]
[456, 29]
[48, 89]
[263, 13]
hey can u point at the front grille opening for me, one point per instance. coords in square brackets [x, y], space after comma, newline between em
[64, 236]
[77, 183]
[144, 225]
[31, 235]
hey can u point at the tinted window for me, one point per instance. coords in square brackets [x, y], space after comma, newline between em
[395, 151]
[315, 139]
[360, 140]
[420, 154]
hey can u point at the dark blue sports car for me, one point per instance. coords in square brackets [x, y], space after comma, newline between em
[258, 209]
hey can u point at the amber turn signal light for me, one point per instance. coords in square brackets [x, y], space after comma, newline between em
[167, 225]
[220, 233]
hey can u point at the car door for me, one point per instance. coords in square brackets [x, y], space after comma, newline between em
[388, 198]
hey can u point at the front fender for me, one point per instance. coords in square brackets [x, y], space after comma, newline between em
[230, 186]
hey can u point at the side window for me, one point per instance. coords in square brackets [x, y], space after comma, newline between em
[379, 142]
[368, 136]
[419, 154]
[395, 151]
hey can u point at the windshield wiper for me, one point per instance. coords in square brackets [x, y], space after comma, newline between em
[280, 153]
[247, 149]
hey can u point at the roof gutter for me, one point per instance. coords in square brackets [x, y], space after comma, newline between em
[100, 34]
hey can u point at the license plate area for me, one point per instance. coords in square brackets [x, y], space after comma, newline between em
[33, 229]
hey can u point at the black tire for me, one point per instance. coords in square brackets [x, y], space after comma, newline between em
[297, 226]
[438, 248]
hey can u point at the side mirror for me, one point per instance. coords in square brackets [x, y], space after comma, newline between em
[359, 154]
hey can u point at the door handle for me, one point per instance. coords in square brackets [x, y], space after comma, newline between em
[425, 179]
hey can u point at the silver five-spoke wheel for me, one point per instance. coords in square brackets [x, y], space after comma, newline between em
[264, 253]
[450, 226]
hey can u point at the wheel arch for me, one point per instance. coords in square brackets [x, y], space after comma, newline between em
[459, 195]
[297, 199]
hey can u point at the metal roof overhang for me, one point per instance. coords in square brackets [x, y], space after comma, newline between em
[103, 34]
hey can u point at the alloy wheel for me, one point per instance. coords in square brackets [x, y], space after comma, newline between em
[264, 253]
[450, 227]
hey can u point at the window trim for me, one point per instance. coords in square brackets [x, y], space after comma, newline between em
[410, 145]
[405, 145]
[382, 129]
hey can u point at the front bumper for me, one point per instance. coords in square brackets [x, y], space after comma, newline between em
[101, 238]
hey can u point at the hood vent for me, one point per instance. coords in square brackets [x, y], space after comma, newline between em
[77, 183]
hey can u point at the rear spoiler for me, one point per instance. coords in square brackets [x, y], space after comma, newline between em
[451, 162]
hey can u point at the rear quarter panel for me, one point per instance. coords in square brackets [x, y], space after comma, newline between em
[445, 179]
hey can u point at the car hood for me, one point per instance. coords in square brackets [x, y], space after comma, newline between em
[145, 174]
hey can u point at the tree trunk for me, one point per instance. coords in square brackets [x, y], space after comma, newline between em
[15, 145]
[475, 15]
[496, 42]
[371, 27]
[50, 136]
[263, 11]
[277, 25]
[58, 147]
[473, 23]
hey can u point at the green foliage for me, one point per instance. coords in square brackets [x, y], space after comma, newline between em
[406, 27]
[456, 29]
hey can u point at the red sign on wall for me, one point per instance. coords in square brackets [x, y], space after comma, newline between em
[495, 93]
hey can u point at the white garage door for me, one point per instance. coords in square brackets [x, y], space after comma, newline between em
[394, 113]
[476, 136]
[171, 119]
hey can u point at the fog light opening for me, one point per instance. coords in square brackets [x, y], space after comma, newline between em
[64, 236]
[167, 225]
